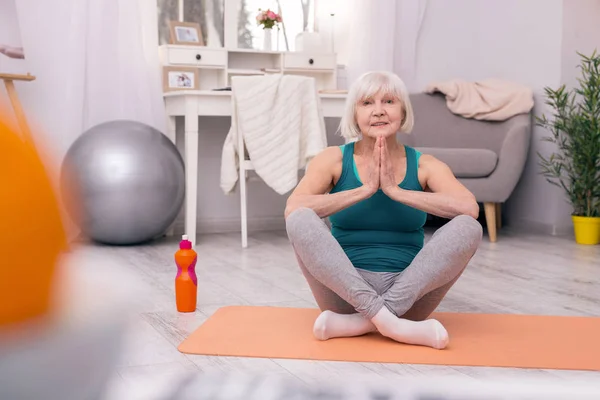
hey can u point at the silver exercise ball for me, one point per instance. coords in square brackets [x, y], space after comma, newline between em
[128, 180]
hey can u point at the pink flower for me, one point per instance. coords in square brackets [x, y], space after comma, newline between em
[267, 18]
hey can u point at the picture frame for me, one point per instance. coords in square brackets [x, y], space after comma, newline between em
[180, 79]
[186, 33]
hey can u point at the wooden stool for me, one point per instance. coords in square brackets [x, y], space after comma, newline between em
[16, 104]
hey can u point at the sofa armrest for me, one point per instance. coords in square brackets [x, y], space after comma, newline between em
[499, 185]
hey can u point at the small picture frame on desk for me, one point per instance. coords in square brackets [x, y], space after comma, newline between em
[186, 33]
[180, 78]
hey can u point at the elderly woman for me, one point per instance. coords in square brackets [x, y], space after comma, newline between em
[372, 271]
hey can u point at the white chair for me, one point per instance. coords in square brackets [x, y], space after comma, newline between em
[310, 145]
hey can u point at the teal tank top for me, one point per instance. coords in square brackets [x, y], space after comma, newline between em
[379, 234]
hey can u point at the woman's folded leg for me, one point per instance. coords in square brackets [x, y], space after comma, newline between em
[338, 317]
[435, 268]
[419, 289]
[353, 303]
[321, 257]
[339, 290]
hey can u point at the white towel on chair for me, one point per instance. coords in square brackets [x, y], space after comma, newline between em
[282, 123]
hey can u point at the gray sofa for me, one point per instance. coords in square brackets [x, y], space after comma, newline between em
[488, 157]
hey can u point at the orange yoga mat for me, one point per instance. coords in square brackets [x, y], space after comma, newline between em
[493, 340]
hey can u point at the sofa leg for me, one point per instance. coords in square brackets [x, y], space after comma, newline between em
[490, 219]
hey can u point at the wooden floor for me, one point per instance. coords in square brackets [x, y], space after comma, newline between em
[521, 273]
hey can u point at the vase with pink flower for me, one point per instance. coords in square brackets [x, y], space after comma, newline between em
[268, 19]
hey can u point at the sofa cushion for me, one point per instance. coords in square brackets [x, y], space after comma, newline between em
[465, 163]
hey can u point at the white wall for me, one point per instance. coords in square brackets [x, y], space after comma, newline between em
[515, 40]
[536, 202]
[509, 39]
[525, 41]
[10, 35]
[581, 33]
[532, 42]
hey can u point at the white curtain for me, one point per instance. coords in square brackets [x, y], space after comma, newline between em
[383, 35]
[95, 61]
[10, 42]
[409, 20]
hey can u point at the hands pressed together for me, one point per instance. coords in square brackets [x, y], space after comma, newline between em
[381, 170]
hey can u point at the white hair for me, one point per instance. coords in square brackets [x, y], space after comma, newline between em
[367, 85]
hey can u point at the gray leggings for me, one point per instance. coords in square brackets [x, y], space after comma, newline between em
[412, 294]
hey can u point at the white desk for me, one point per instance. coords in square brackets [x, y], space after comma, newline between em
[194, 104]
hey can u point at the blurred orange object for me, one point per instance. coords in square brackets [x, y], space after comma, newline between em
[32, 235]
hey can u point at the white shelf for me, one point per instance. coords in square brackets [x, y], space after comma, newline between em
[245, 71]
[253, 51]
[277, 52]
[308, 70]
[224, 93]
[217, 65]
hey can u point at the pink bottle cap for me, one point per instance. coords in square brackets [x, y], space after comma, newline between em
[185, 244]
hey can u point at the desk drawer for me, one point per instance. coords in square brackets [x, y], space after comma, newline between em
[308, 61]
[194, 56]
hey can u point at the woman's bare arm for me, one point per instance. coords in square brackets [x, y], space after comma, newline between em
[313, 190]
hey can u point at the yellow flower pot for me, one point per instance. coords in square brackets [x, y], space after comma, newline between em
[587, 229]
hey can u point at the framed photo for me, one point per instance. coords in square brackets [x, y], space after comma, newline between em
[180, 78]
[186, 33]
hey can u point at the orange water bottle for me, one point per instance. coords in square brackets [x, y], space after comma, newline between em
[186, 282]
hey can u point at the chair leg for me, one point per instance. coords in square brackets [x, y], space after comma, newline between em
[242, 177]
[490, 219]
[243, 206]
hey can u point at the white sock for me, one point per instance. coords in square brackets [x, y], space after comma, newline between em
[331, 325]
[426, 333]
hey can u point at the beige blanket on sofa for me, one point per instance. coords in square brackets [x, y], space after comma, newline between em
[489, 99]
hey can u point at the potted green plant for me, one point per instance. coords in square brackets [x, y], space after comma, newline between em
[575, 130]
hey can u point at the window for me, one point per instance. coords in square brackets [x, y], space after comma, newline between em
[208, 13]
[298, 16]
